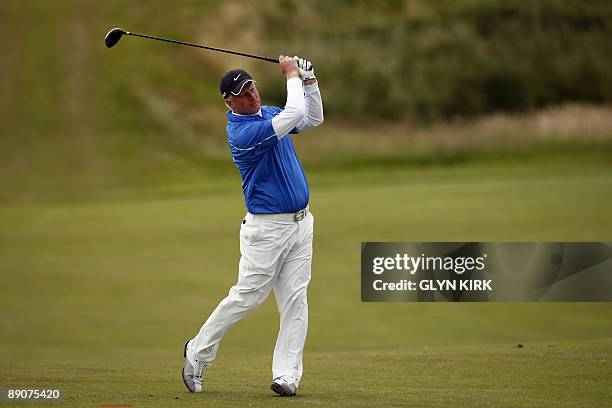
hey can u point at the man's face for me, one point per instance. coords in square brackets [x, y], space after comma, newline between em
[247, 103]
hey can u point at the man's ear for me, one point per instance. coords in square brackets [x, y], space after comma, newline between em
[228, 103]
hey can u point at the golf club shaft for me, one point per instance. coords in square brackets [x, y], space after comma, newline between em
[205, 47]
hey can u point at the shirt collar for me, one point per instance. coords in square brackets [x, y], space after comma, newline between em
[235, 117]
[258, 113]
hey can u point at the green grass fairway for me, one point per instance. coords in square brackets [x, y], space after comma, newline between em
[542, 374]
[98, 297]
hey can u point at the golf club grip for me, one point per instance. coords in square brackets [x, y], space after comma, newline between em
[269, 59]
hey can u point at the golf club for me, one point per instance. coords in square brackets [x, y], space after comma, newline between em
[114, 35]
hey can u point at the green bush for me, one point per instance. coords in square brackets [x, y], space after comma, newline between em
[429, 60]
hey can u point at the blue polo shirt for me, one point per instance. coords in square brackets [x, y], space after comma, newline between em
[273, 180]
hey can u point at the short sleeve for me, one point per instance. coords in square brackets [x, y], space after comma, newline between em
[252, 139]
[275, 110]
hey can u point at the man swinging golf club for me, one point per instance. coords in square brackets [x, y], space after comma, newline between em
[276, 233]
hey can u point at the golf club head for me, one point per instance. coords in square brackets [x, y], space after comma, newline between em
[113, 37]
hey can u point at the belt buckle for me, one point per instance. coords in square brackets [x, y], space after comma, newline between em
[299, 216]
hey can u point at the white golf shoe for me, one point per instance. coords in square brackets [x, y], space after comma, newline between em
[193, 373]
[285, 386]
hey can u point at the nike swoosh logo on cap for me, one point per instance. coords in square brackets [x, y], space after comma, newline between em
[237, 76]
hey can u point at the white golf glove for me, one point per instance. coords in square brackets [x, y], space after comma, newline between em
[306, 68]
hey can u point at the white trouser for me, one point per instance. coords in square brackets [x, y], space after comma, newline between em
[275, 254]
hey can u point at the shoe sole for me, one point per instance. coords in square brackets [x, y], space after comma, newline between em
[280, 390]
[183, 370]
[185, 382]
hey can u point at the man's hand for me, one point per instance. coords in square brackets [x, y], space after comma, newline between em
[289, 67]
[306, 69]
